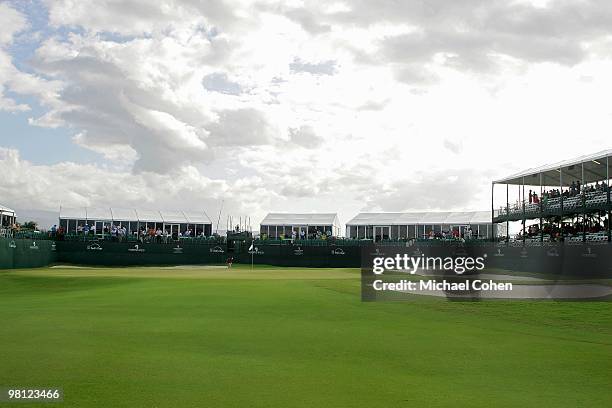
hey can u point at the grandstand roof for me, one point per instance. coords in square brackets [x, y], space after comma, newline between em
[4, 209]
[123, 214]
[421, 218]
[594, 170]
[300, 219]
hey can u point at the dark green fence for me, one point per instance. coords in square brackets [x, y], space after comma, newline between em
[588, 260]
[128, 253]
[333, 256]
[26, 253]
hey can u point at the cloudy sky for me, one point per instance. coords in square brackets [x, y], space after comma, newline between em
[303, 106]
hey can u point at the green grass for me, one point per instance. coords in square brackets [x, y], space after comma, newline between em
[274, 337]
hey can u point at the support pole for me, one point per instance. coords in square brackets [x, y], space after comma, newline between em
[492, 209]
[561, 201]
[524, 220]
[541, 210]
[608, 198]
[583, 203]
[507, 213]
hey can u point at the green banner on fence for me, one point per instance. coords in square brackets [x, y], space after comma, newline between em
[107, 253]
[26, 253]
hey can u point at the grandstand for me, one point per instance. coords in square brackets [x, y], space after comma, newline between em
[566, 201]
[100, 221]
[304, 226]
[421, 225]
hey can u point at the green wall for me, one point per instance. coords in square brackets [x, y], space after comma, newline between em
[26, 253]
[328, 256]
[123, 253]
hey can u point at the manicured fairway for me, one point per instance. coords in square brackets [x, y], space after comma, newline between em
[272, 337]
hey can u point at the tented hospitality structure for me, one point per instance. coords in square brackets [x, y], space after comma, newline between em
[281, 225]
[134, 220]
[564, 200]
[7, 217]
[409, 225]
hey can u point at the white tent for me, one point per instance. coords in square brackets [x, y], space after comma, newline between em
[277, 224]
[132, 219]
[421, 218]
[417, 224]
[7, 216]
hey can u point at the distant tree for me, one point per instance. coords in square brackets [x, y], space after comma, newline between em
[29, 225]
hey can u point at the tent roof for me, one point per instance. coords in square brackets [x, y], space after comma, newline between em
[4, 209]
[300, 219]
[421, 218]
[195, 217]
[123, 214]
[594, 170]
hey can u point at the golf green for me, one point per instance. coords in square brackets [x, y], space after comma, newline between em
[289, 337]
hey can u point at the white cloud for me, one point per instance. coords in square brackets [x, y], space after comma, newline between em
[12, 22]
[392, 105]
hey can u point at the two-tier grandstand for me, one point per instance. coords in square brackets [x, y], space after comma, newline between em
[565, 201]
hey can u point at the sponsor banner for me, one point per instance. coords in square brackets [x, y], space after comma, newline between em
[26, 253]
[130, 253]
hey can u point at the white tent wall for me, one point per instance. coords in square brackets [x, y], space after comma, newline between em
[276, 224]
[418, 224]
[134, 220]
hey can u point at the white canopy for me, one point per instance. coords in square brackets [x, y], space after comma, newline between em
[595, 169]
[300, 219]
[122, 214]
[6, 210]
[421, 218]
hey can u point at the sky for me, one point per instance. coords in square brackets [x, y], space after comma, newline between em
[294, 106]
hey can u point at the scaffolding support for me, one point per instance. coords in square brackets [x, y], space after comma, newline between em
[507, 213]
[561, 238]
[608, 198]
[523, 201]
[583, 205]
[541, 209]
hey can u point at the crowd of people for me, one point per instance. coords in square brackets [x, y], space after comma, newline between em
[9, 229]
[570, 229]
[301, 235]
[120, 233]
[455, 234]
[574, 190]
